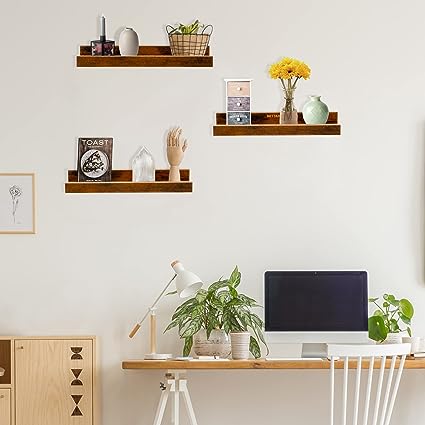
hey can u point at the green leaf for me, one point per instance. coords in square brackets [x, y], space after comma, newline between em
[378, 313]
[386, 304]
[405, 319]
[235, 278]
[172, 325]
[406, 308]
[188, 342]
[201, 295]
[248, 301]
[217, 285]
[372, 300]
[171, 293]
[254, 348]
[394, 328]
[192, 328]
[233, 292]
[377, 329]
[409, 331]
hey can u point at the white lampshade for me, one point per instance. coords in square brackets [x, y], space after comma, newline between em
[187, 283]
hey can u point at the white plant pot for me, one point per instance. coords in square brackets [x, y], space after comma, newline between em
[414, 341]
[218, 344]
[240, 345]
[129, 42]
[393, 338]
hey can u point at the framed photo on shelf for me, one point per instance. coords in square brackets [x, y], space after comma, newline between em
[17, 203]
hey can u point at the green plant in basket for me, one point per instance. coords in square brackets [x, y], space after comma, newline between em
[192, 28]
[390, 317]
[221, 306]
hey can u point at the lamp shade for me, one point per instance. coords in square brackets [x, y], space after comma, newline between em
[187, 283]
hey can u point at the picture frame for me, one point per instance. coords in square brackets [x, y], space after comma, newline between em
[17, 203]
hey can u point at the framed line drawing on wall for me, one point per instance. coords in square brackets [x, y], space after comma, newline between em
[17, 203]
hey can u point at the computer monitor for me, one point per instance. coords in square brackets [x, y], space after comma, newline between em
[316, 308]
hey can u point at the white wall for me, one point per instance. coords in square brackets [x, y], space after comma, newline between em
[355, 201]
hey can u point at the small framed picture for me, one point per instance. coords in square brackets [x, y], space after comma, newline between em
[17, 203]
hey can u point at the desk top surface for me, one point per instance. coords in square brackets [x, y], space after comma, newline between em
[254, 364]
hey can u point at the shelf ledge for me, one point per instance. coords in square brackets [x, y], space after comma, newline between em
[149, 56]
[267, 124]
[122, 183]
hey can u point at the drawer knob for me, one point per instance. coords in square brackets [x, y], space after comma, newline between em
[21, 347]
[238, 104]
[2, 396]
[238, 119]
[239, 88]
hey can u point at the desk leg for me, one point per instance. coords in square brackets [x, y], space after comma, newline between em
[188, 402]
[176, 385]
[161, 406]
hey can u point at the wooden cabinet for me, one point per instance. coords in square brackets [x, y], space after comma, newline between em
[5, 407]
[52, 381]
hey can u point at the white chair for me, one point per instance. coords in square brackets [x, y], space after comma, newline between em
[382, 410]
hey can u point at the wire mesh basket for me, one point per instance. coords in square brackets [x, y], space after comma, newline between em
[189, 44]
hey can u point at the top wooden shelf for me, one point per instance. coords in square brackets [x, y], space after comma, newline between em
[255, 364]
[149, 56]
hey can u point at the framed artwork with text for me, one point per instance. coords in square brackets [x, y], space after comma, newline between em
[17, 203]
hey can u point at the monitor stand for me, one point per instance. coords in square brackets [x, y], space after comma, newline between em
[314, 350]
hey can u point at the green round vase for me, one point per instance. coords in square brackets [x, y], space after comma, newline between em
[315, 111]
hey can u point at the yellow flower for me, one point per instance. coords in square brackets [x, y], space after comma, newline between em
[288, 68]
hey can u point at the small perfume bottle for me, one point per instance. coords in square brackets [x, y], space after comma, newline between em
[102, 47]
[143, 166]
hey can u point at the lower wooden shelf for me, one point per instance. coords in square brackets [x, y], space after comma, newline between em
[267, 124]
[122, 183]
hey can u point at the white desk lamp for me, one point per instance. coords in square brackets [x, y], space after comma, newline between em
[187, 284]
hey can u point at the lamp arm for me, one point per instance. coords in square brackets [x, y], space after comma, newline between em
[139, 323]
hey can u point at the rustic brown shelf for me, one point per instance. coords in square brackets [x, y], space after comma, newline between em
[267, 124]
[122, 183]
[149, 56]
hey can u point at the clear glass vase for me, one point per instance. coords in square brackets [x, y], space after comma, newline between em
[289, 114]
[143, 166]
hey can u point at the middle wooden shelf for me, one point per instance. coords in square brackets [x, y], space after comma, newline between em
[267, 124]
[122, 183]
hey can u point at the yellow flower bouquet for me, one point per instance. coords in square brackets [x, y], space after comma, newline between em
[289, 70]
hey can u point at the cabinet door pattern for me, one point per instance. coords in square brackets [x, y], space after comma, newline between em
[76, 411]
[54, 382]
[76, 373]
[76, 355]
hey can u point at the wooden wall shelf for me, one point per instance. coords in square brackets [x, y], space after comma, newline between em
[267, 124]
[122, 183]
[149, 56]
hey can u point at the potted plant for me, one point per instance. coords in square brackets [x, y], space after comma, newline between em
[205, 320]
[189, 40]
[390, 318]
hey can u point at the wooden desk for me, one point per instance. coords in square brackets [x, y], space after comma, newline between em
[251, 364]
[176, 380]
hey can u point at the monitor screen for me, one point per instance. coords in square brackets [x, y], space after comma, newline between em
[310, 301]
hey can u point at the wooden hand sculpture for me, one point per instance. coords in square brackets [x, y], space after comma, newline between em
[176, 147]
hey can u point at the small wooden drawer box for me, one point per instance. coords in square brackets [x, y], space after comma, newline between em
[238, 101]
[238, 118]
[239, 88]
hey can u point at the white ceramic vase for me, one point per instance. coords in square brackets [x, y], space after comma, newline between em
[129, 42]
[240, 345]
[315, 111]
[218, 344]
